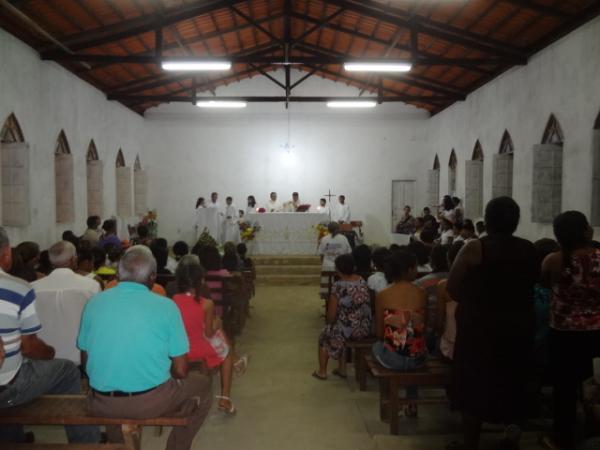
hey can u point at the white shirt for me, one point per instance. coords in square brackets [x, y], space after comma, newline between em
[446, 236]
[341, 213]
[61, 297]
[273, 206]
[377, 282]
[332, 247]
[323, 209]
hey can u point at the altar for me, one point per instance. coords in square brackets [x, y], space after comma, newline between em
[286, 233]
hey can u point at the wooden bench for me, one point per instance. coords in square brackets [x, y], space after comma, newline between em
[360, 349]
[72, 410]
[436, 373]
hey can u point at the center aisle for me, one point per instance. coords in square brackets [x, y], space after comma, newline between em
[280, 406]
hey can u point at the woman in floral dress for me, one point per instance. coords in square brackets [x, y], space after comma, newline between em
[349, 317]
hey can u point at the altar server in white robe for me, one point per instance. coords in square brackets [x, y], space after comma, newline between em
[273, 205]
[214, 217]
[292, 205]
[251, 205]
[323, 208]
[231, 226]
[341, 212]
[200, 220]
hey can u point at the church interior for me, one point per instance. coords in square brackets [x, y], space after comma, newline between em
[251, 155]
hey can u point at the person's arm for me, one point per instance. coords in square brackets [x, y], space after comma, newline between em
[179, 366]
[2, 353]
[551, 267]
[332, 309]
[210, 322]
[33, 347]
[468, 257]
[84, 359]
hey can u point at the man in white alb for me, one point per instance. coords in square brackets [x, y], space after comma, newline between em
[61, 297]
[231, 227]
[272, 204]
[323, 208]
[214, 217]
[341, 212]
[293, 204]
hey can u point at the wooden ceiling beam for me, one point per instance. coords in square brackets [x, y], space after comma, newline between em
[191, 41]
[429, 27]
[271, 99]
[539, 8]
[257, 25]
[317, 26]
[382, 42]
[142, 24]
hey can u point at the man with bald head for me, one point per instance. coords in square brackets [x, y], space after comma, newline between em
[61, 298]
[134, 348]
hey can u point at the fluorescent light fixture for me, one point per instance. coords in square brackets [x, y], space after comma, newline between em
[351, 104]
[220, 104]
[378, 66]
[196, 66]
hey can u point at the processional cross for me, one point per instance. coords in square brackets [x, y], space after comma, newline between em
[329, 195]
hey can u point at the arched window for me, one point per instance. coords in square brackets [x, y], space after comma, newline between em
[474, 183]
[546, 201]
[596, 173]
[63, 180]
[553, 133]
[452, 165]
[433, 188]
[95, 181]
[15, 174]
[123, 177]
[140, 188]
[11, 131]
[502, 173]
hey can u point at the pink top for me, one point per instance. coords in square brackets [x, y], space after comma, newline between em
[192, 313]
[575, 301]
[216, 284]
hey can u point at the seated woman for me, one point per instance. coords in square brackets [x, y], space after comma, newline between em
[231, 261]
[208, 343]
[26, 259]
[400, 319]
[348, 316]
[362, 259]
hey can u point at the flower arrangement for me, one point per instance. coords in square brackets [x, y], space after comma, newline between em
[248, 231]
[321, 230]
[206, 239]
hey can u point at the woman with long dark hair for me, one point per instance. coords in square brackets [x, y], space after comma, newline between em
[208, 343]
[573, 273]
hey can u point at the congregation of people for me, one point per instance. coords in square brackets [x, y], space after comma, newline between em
[145, 325]
[509, 316]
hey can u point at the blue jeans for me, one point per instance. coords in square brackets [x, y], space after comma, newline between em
[394, 361]
[41, 377]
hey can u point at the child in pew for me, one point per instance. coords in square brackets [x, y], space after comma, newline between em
[400, 319]
[208, 343]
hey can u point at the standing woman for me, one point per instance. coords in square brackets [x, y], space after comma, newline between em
[492, 281]
[573, 273]
[447, 211]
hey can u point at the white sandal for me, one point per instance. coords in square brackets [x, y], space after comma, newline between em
[231, 410]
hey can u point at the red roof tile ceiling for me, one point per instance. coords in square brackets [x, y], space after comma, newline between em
[456, 46]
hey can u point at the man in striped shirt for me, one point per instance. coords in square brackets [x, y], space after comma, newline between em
[29, 370]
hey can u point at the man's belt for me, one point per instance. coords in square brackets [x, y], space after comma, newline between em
[121, 393]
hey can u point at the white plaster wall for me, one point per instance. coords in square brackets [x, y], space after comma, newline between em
[191, 153]
[46, 98]
[563, 79]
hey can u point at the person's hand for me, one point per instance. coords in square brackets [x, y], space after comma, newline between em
[217, 323]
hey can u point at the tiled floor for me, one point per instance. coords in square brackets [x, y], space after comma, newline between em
[281, 407]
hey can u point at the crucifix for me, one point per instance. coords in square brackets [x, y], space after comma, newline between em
[329, 195]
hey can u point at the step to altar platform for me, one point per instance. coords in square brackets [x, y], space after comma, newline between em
[279, 270]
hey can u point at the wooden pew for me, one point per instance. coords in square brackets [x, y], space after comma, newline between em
[360, 349]
[72, 410]
[435, 374]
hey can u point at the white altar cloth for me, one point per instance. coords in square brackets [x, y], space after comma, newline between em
[286, 233]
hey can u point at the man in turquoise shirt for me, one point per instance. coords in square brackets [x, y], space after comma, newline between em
[134, 348]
